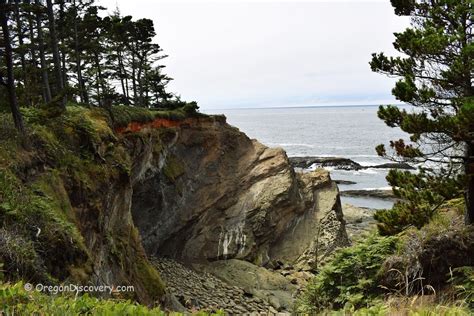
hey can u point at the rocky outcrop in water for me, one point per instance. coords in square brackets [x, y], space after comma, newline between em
[338, 162]
[372, 193]
[342, 163]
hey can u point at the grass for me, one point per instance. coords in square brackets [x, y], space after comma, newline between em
[122, 115]
[381, 308]
[350, 277]
[15, 300]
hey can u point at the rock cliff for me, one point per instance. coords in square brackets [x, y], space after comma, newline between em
[211, 193]
[98, 199]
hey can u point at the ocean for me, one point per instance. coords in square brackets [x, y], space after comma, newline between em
[341, 131]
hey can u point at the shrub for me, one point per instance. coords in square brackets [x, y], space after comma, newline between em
[421, 195]
[462, 279]
[121, 115]
[350, 277]
[428, 255]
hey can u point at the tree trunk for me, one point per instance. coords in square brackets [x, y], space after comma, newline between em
[44, 68]
[98, 78]
[140, 83]
[34, 64]
[134, 79]
[468, 93]
[78, 59]
[63, 51]
[63, 68]
[127, 87]
[147, 89]
[121, 73]
[55, 49]
[10, 84]
[85, 92]
[19, 27]
[469, 195]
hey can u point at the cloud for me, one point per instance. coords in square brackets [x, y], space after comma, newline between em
[266, 53]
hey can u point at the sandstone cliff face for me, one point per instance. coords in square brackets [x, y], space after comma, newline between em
[211, 193]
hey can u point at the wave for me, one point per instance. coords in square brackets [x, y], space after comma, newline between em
[377, 189]
[366, 156]
[330, 168]
[292, 145]
[366, 171]
[368, 163]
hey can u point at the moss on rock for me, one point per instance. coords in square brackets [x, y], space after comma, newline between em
[173, 168]
[57, 197]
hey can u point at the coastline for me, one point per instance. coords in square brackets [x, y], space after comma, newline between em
[354, 179]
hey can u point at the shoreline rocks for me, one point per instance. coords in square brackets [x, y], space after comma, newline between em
[341, 163]
[393, 165]
[338, 162]
[378, 194]
[345, 182]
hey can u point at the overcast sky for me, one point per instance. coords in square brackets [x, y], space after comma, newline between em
[264, 53]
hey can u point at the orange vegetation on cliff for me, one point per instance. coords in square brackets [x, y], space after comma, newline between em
[156, 123]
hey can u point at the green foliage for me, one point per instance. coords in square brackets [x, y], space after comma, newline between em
[376, 308]
[437, 81]
[439, 310]
[350, 277]
[74, 158]
[420, 194]
[426, 259]
[372, 276]
[121, 115]
[380, 308]
[35, 225]
[98, 52]
[463, 281]
[173, 168]
[15, 300]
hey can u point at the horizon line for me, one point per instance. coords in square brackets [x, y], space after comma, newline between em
[306, 106]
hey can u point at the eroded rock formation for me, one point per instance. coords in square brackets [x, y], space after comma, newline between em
[211, 193]
[98, 201]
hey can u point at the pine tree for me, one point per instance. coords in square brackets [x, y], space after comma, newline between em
[116, 30]
[66, 50]
[47, 96]
[10, 83]
[56, 56]
[436, 73]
